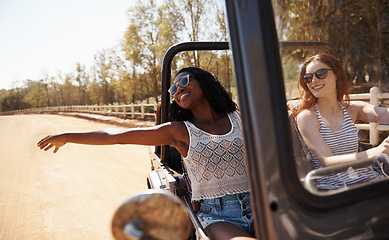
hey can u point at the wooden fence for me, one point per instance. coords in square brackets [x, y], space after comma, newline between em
[144, 110]
[374, 97]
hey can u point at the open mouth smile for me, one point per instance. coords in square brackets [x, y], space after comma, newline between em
[183, 95]
[317, 87]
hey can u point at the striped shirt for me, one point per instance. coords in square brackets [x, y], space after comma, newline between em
[343, 141]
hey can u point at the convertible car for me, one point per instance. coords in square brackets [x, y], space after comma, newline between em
[285, 202]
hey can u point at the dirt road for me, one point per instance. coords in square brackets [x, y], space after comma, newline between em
[68, 195]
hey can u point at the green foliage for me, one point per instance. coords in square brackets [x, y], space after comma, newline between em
[357, 29]
[130, 72]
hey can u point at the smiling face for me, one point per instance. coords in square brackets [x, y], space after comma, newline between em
[333, 85]
[187, 96]
[320, 88]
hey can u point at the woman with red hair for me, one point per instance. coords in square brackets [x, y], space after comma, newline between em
[326, 117]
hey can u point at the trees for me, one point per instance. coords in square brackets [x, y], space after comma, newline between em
[131, 71]
[195, 23]
[341, 23]
[151, 31]
[82, 79]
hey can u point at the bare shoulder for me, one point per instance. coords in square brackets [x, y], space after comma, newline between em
[176, 126]
[307, 118]
[168, 130]
[178, 129]
[180, 135]
[306, 115]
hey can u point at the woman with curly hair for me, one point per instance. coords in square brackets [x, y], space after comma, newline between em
[207, 132]
[326, 119]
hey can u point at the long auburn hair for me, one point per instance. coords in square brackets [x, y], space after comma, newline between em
[307, 99]
[214, 92]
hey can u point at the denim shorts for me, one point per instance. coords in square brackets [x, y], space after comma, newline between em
[234, 209]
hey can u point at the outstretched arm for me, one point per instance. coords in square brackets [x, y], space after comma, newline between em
[172, 133]
[370, 113]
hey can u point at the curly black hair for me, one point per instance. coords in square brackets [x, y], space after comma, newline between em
[214, 92]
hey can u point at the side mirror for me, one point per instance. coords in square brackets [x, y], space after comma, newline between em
[152, 214]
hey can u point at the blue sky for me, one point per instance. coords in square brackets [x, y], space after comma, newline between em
[39, 37]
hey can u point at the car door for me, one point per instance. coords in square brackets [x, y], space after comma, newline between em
[283, 207]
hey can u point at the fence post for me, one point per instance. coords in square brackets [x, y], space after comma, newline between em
[374, 100]
[142, 110]
[132, 111]
[124, 111]
[155, 110]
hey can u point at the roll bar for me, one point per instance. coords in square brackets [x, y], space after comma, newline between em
[201, 46]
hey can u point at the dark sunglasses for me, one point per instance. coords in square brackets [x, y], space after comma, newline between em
[183, 83]
[319, 74]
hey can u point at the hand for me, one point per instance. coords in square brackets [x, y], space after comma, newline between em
[384, 146]
[51, 141]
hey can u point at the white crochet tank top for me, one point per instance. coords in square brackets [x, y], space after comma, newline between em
[215, 163]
